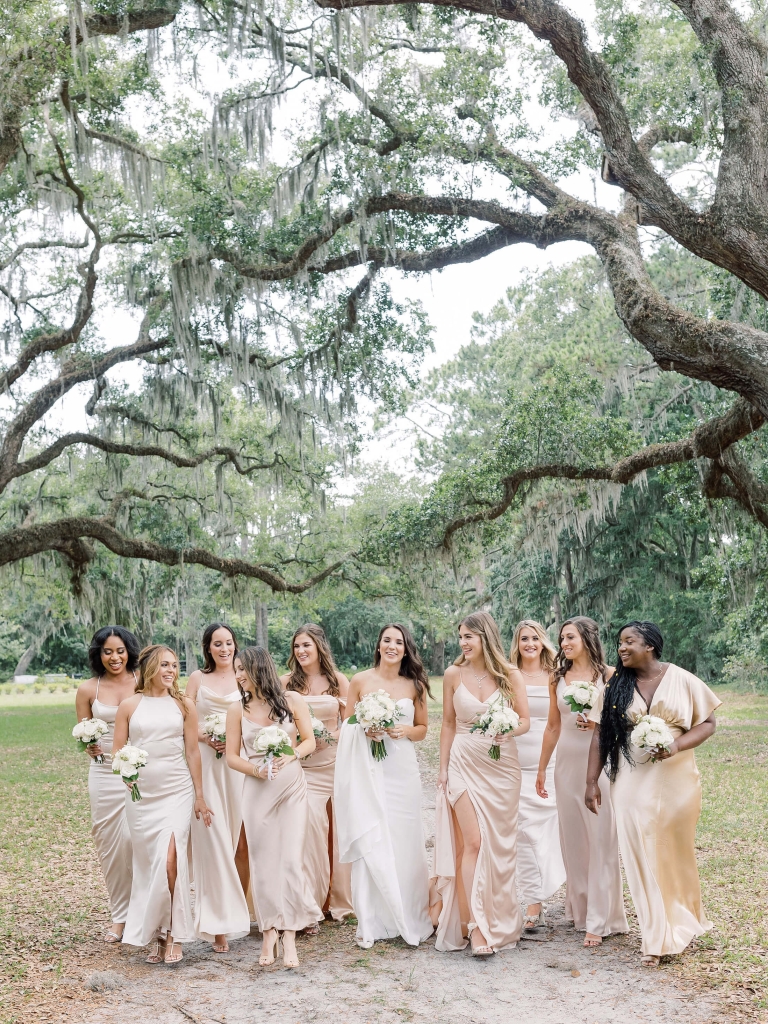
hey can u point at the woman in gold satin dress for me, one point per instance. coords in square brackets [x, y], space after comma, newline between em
[275, 806]
[477, 800]
[314, 676]
[657, 801]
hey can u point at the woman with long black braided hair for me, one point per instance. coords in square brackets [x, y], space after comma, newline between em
[656, 798]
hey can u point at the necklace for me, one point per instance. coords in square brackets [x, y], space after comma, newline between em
[653, 678]
[479, 679]
[541, 672]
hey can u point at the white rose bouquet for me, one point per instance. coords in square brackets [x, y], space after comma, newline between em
[653, 734]
[318, 729]
[126, 762]
[88, 732]
[272, 742]
[580, 696]
[215, 726]
[377, 712]
[497, 720]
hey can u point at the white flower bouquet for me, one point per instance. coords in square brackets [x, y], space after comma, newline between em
[319, 730]
[89, 731]
[272, 742]
[580, 696]
[215, 726]
[377, 712]
[653, 734]
[126, 762]
[497, 720]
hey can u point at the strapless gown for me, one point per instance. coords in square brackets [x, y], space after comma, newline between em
[164, 811]
[275, 817]
[111, 835]
[220, 906]
[331, 882]
[378, 813]
[494, 789]
[540, 868]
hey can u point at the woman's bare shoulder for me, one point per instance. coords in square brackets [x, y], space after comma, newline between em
[88, 688]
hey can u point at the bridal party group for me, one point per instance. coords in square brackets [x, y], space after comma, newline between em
[283, 800]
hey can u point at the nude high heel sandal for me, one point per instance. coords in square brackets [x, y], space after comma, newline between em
[268, 953]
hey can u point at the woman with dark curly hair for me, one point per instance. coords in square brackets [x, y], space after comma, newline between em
[113, 656]
[656, 794]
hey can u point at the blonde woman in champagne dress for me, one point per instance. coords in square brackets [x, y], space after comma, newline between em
[540, 868]
[275, 805]
[113, 656]
[219, 853]
[477, 801]
[162, 721]
[594, 898]
[378, 803]
[313, 675]
[656, 799]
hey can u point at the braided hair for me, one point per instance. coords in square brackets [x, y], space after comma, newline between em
[617, 698]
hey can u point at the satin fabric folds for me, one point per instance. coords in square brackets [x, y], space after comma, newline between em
[657, 808]
[494, 789]
[164, 811]
[220, 906]
[378, 814]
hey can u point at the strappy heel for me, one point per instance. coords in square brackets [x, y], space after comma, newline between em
[295, 961]
[269, 953]
[649, 960]
[111, 937]
[483, 951]
[534, 921]
[157, 953]
[170, 956]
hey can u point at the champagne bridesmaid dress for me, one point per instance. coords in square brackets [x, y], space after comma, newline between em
[164, 811]
[593, 895]
[378, 812]
[657, 807]
[275, 813]
[494, 789]
[319, 769]
[220, 905]
[540, 868]
[110, 831]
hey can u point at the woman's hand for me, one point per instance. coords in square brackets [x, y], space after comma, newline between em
[582, 722]
[203, 811]
[396, 732]
[592, 797]
[374, 734]
[541, 785]
[278, 763]
[663, 754]
[442, 780]
[220, 748]
[94, 750]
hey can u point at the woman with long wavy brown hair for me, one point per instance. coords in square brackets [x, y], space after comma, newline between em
[593, 895]
[313, 675]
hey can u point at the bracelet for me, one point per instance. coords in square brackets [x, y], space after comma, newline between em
[255, 772]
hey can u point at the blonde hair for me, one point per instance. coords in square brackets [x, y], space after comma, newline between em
[149, 666]
[548, 654]
[484, 626]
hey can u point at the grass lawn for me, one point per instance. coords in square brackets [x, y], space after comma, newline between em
[53, 902]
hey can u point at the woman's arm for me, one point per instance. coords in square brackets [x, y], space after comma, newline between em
[122, 720]
[517, 684]
[353, 696]
[448, 727]
[300, 711]
[594, 766]
[416, 732]
[693, 738]
[549, 742]
[86, 692]
[235, 741]
[194, 761]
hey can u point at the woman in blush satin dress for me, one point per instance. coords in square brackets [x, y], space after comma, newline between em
[594, 898]
[656, 798]
[313, 675]
[219, 853]
[275, 805]
[162, 721]
[540, 868]
[477, 800]
[378, 803]
[113, 656]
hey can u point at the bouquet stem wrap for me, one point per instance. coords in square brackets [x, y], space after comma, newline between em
[376, 712]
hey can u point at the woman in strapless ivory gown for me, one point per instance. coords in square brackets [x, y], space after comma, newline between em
[275, 806]
[540, 868]
[313, 675]
[162, 721]
[219, 853]
[594, 898]
[656, 797]
[378, 802]
[113, 656]
[475, 889]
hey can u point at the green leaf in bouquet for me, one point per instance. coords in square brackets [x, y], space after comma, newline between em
[352, 720]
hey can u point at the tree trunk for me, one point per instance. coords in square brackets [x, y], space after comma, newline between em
[262, 625]
[25, 660]
[191, 656]
[437, 666]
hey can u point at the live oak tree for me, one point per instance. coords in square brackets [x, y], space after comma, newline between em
[419, 136]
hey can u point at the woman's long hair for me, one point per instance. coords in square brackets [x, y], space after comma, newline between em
[617, 698]
[149, 666]
[412, 667]
[548, 649]
[589, 631]
[298, 680]
[131, 644]
[260, 669]
[210, 664]
[484, 626]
